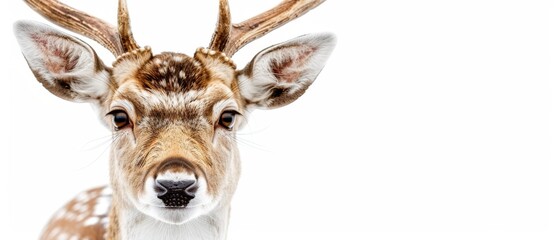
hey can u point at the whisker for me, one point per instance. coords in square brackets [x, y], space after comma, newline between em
[111, 139]
[244, 142]
[252, 131]
[251, 144]
[96, 143]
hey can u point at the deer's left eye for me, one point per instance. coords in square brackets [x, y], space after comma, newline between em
[227, 119]
[120, 119]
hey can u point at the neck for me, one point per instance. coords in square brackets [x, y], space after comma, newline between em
[127, 223]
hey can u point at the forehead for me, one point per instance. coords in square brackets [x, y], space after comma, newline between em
[174, 83]
[173, 72]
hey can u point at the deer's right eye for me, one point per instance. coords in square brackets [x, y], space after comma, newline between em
[120, 119]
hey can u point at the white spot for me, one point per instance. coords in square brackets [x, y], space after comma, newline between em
[63, 236]
[54, 232]
[102, 206]
[81, 217]
[182, 74]
[79, 207]
[60, 213]
[91, 221]
[105, 221]
[83, 208]
[82, 197]
[107, 191]
[71, 216]
[178, 58]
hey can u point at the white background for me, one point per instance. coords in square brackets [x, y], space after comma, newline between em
[431, 120]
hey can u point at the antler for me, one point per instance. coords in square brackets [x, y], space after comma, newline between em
[229, 38]
[124, 29]
[118, 41]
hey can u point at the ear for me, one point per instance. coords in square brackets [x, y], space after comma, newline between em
[66, 66]
[281, 73]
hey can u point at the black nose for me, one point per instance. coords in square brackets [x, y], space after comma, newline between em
[175, 193]
[171, 185]
[163, 187]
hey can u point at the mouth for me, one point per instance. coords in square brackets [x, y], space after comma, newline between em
[177, 215]
[173, 208]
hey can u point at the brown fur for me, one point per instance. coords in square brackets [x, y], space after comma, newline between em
[171, 101]
[163, 73]
[164, 133]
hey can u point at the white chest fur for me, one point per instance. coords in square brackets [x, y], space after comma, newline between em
[138, 226]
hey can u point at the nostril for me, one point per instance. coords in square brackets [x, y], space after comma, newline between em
[191, 190]
[160, 189]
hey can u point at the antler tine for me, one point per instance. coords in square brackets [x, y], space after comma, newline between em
[128, 42]
[223, 29]
[79, 22]
[230, 38]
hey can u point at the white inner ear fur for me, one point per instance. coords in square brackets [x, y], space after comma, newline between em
[290, 65]
[55, 55]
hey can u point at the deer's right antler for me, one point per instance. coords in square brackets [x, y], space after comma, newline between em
[117, 40]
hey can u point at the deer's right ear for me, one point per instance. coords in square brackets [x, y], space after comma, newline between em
[65, 65]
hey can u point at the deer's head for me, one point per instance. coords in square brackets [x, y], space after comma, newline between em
[173, 116]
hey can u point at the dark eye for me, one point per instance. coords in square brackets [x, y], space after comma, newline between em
[120, 119]
[227, 119]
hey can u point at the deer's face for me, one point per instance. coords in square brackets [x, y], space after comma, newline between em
[174, 119]
[173, 116]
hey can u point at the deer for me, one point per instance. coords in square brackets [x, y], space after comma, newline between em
[174, 163]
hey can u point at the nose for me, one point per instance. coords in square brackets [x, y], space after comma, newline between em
[175, 182]
[175, 193]
[165, 186]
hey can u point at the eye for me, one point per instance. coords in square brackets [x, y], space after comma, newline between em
[120, 119]
[227, 119]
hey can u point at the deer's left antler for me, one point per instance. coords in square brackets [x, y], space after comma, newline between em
[229, 38]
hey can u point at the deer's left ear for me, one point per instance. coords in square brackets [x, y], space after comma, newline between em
[281, 73]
